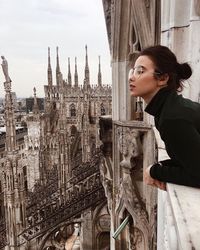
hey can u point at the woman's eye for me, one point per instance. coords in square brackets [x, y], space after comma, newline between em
[139, 71]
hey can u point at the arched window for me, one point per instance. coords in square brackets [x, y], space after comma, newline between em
[72, 110]
[73, 130]
[104, 240]
[103, 111]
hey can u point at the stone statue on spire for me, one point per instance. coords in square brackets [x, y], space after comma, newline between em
[5, 69]
[35, 104]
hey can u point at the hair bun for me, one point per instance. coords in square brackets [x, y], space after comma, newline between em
[184, 70]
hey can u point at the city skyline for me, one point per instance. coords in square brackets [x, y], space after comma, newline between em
[27, 33]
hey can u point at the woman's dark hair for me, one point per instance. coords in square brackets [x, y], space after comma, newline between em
[166, 63]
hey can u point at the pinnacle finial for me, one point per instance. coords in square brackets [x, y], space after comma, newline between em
[35, 104]
[76, 74]
[57, 68]
[87, 73]
[69, 72]
[9, 110]
[99, 73]
[49, 71]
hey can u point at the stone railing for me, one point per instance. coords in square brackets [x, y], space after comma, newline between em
[128, 148]
[178, 218]
[178, 221]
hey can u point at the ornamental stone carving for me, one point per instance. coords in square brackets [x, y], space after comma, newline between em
[106, 181]
[138, 240]
[130, 146]
[129, 196]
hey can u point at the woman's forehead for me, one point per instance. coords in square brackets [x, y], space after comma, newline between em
[145, 62]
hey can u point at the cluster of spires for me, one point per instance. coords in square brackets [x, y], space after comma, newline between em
[69, 80]
[10, 130]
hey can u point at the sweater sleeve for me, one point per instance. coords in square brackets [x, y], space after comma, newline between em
[182, 141]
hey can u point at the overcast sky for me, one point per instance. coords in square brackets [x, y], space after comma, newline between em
[29, 27]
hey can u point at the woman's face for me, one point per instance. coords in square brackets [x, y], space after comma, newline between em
[142, 80]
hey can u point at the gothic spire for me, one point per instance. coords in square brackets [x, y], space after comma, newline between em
[76, 74]
[99, 74]
[57, 67]
[87, 73]
[9, 112]
[49, 71]
[69, 73]
[14, 188]
[35, 104]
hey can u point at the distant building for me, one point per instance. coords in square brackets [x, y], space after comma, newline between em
[30, 104]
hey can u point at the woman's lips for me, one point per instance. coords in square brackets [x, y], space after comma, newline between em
[132, 87]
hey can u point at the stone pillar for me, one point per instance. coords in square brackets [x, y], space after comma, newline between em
[121, 100]
[180, 21]
[86, 230]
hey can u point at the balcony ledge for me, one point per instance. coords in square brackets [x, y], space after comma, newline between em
[185, 204]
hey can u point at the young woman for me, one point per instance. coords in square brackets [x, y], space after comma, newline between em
[157, 77]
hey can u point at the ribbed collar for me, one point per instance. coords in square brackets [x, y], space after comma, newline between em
[155, 106]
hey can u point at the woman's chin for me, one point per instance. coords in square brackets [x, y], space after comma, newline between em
[133, 94]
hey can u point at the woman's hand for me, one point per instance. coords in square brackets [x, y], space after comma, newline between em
[153, 182]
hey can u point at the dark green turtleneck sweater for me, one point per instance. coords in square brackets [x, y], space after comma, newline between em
[178, 121]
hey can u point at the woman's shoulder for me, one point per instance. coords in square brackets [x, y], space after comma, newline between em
[179, 107]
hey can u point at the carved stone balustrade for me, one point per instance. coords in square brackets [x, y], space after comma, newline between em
[178, 218]
[105, 123]
[129, 148]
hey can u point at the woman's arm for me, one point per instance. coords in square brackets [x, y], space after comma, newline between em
[182, 141]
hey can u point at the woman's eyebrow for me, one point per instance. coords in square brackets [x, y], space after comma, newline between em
[140, 66]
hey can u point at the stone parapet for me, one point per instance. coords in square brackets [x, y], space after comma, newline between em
[179, 219]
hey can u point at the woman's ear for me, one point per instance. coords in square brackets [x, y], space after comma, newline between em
[163, 79]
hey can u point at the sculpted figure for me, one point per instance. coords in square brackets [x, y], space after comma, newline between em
[130, 146]
[5, 69]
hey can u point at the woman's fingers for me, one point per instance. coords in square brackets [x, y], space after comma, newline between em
[153, 182]
[147, 178]
[160, 184]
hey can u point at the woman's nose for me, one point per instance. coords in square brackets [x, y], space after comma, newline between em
[131, 79]
[130, 73]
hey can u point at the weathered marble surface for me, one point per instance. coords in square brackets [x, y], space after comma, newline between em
[185, 204]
